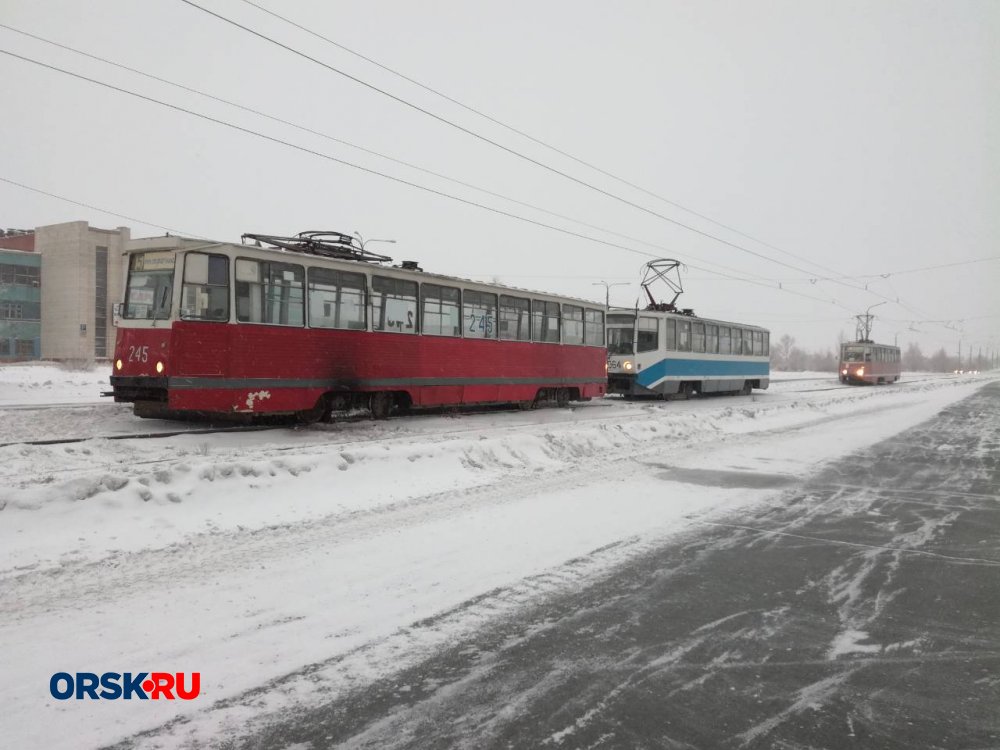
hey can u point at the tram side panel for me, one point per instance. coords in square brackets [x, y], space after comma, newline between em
[868, 363]
[711, 372]
[258, 368]
[671, 362]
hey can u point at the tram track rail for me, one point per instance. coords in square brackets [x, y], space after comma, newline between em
[338, 419]
[329, 439]
[841, 386]
[270, 451]
[142, 435]
[63, 405]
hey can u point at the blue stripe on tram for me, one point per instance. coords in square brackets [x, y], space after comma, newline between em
[666, 368]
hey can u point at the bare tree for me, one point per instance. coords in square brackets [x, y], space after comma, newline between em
[797, 359]
[940, 361]
[822, 361]
[781, 352]
[913, 358]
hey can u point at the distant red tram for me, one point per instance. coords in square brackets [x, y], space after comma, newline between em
[314, 324]
[867, 362]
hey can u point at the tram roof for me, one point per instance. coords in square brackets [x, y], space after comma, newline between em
[175, 243]
[682, 316]
[869, 342]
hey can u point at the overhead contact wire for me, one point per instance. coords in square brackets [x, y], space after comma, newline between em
[500, 146]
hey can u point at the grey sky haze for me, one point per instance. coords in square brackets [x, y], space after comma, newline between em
[860, 136]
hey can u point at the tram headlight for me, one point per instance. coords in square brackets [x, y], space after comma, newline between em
[627, 366]
[861, 371]
[159, 367]
[118, 364]
[844, 371]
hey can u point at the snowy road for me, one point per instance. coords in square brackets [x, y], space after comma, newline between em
[301, 571]
[856, 609]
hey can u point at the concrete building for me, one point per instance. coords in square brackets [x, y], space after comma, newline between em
[70, 316]
[83, 269]
[18, 239]
[164, 242]
[20, 303]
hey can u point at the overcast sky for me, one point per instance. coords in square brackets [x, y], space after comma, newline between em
[839, 138]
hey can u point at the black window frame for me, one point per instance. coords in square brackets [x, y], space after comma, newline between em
[380, 287]
[440, 294]
[593, 323]
[223, 318]
[521, 320]
[473, 322]
[543, 312]
[643, 341]
[572, 324]
[335, 283]
[265, 284]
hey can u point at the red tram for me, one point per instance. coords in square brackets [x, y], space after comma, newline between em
[867, 362]
[314, 323]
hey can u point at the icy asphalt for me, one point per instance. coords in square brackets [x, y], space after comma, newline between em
[859, 609]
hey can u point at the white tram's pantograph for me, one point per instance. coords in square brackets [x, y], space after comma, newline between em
[667, 352]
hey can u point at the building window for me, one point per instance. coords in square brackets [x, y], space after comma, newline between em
[25, 348]
[11, 311]
[101, 302]
[11, 273]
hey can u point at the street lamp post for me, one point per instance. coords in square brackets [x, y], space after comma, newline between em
[607, 290]
[865, 323]
[362, 241]
[872, 307]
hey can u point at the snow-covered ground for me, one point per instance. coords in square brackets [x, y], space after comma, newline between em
[288, 566]
[45, 384]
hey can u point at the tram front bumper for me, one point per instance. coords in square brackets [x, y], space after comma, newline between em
[626, 384]
[140, 388]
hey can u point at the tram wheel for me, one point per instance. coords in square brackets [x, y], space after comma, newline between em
[562, 397]
[380, 404]
[318, 412]
[745, 391]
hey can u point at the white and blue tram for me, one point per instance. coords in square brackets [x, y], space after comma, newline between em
[675, 355]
